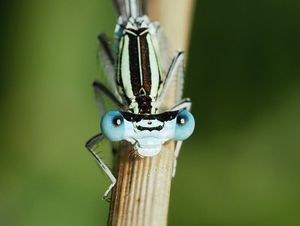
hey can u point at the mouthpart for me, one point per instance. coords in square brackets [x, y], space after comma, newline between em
[147, 150]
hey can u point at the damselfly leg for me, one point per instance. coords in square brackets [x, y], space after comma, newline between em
[100, 91]
[183, 104]
[176, 71]
[90, 145]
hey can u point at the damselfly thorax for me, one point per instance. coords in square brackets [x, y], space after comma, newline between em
[138, 71]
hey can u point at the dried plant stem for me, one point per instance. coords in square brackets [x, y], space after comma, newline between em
[141, 195]
[143, 187]
[175, 16]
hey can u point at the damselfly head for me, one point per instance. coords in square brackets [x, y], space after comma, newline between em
[147, 132]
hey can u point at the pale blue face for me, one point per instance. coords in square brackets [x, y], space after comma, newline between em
[147, 132]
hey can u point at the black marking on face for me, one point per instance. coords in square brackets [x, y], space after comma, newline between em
[150, 128]
[163, 117]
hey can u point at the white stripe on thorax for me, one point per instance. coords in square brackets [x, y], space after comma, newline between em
[154, 68]
[140, 60]
[125, 69]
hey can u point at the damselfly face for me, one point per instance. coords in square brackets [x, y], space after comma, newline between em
[147, 132]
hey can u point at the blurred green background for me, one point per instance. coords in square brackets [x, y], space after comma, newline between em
[240, 168]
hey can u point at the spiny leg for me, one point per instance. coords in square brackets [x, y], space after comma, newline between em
[90, 144]
[187, 104]
[176, 154]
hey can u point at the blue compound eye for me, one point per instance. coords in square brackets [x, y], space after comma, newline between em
[112, 126]
[185, 125]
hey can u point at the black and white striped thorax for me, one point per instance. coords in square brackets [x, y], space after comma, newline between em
[138, 72]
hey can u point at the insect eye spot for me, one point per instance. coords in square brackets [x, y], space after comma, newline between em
[117, 121]
[181, 120]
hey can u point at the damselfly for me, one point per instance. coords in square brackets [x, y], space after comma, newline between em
[140, 83]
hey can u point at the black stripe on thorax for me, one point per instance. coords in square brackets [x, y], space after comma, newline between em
[140, 70]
